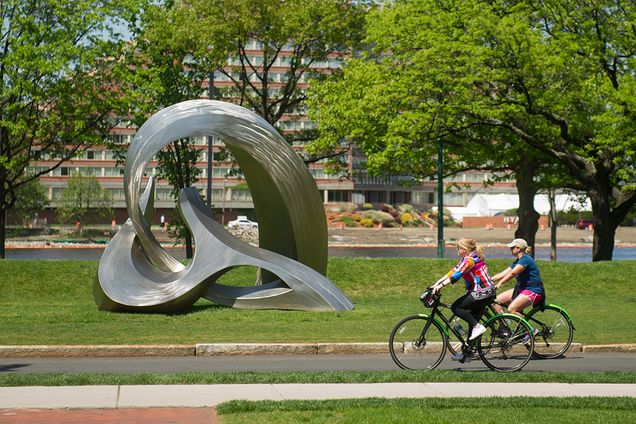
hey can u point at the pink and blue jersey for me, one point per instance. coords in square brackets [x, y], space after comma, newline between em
[474, 271]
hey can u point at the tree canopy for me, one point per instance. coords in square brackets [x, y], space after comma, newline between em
[84, 200]
[272, 47]
[498, 80]
[57, 93]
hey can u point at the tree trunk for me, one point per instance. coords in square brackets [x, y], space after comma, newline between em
[3, 231]
[188, 243]
[604, 227]
[527, 189]
[554, 221]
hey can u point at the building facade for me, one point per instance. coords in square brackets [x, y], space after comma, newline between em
[230, 194]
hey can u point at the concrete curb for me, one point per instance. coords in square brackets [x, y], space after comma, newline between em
[233, 349]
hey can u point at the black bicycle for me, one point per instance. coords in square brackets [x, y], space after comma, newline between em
[554, 329]
[419, 342]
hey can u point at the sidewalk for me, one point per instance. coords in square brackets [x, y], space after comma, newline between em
[194, 404]
[198, 396]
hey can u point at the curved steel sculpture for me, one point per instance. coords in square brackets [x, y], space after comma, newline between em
[136, 274]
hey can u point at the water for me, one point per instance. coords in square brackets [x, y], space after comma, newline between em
[564, 254]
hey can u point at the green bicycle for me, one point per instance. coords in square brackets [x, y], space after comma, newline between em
[555, 329]
[419, 342]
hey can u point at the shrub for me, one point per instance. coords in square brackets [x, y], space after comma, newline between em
[407, 208]
[346, 219]
[367, 206]
[406, 219]
[379, 217]
[386, 208]
[367, 223]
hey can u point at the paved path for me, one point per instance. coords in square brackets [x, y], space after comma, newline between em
[193, 404]
[197, 396]
[572, 362]
[118, 416]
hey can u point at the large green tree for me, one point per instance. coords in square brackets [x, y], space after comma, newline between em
[534, 80]
[31, 199]
[170, 62]
[56, 59]
[83, 201]
[164, 68]
[274, 47]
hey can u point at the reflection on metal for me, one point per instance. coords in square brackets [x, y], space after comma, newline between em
[136, 274]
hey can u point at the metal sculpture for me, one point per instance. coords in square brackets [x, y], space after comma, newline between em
[136, 274]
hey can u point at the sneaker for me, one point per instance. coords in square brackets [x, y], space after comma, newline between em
[478, 330]
[526, 338]
[458, 357]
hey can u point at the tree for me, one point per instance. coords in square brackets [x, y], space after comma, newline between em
[31, 198]
[56, 73]
[83, 201]
[170, 63]
[162, 71]
[297, 35]
[547, 78]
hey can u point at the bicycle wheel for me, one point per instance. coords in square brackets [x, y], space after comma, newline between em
[413, 346]
[507, 343]
[555, 331]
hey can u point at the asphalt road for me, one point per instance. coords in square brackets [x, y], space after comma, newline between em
[572, 362]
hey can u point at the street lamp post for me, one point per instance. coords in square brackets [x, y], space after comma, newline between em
[223, 202]
[210, 140]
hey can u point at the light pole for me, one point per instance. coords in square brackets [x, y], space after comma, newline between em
[440, 199]
[210, 139]
[223, 202]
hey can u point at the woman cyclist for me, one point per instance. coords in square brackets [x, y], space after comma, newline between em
[480, 289]
[529, 288]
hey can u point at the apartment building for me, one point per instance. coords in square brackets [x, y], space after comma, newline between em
[230, 193]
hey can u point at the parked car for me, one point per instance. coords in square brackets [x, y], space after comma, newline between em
[583, 224]
[242, 222]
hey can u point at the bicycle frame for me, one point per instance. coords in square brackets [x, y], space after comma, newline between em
[444, 322]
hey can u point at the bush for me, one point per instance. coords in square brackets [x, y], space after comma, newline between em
[347, 220]
[367, 206]
[407, 219]
[379, 217]
[366, 222]
[407, 208]
[386, 208]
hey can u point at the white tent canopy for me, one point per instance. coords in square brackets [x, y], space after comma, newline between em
[493, 204]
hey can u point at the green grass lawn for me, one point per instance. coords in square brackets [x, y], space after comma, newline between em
[50, 302]
[454, 410]
[8, 379]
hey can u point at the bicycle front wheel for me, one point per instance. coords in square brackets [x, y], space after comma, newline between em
[414, 345]
[507, 343]
[555, 331]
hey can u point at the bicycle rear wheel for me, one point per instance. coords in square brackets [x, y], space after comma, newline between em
[507, 343]
[414, 346]
[555, 331]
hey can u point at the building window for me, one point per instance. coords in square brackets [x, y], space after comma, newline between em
[338, 195]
